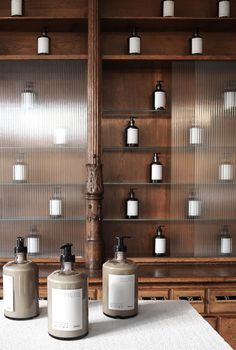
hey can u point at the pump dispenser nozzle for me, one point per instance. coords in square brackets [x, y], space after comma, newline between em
[20, 247]
[159, 85]
[66, 255]
[159, 230]
[120, 247]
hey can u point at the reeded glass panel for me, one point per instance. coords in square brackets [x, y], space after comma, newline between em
[43, 145]
[204, 130]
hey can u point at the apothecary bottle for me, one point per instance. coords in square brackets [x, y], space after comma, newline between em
[16, 7]
[28, 96]
[168, 8]
[134, 43]
[193, 206]
[159, 242]
[43, 43]
[223, 8]
[159, 97]
[196, 43]
[225, 241]
[20, 173]
[156, 169]
[132, 206]
[131, 134]
[195, 135]
[59, 136]
[225, 171]
[33, 241]
[230, 95]
[55, 204]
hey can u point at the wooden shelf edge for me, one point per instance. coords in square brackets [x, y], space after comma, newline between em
[142, 58]
[43, 57]
[183, 260]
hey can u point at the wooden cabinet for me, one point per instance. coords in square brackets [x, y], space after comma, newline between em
[227, 329]
[222, 300]
[196, 297]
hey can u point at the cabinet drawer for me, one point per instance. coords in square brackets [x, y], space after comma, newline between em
[196, 297]
[228, 330]
[92, 294]
[212, 321]
[153, 294]
[222, 300]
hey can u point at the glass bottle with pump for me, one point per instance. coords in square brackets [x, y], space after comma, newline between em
[226, 170]
[33, 241]
[195, 135]
[16, 7]
[159, 97]
[156, 168]
[196, 43]
[20, 285]
[131, 205]
[55, 204]
[225, 241]
[168, 8]
[223, 8]
[134, 43]
[43, 43]
[193, 206]
[67, 299]
[159, 242]
[120, 284]
[20, 169]
[131, 134]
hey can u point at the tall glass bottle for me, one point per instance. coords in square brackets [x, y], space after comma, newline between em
[131, 205]
[120, 284]
[55, 204]
[20, 172]
[131, 134]
[225, 241]
[134, 43]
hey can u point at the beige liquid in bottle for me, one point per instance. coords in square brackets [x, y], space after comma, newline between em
[120, 284]
[67, 300]
[20, 285]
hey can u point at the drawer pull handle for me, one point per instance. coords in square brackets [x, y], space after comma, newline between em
[153, 298]
[192, 298]
[225, 297]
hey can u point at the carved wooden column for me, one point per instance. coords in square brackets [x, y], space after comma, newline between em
[94, 246]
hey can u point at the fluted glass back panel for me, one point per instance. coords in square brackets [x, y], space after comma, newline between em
[203, 160]
[43, 125]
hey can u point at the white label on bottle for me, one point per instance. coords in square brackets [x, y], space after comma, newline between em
[16, 7]
[132, 136]
[160, 100]
[19, 172]
[156, 172]
[132, 208]
[160, 245]
[224, 9]
[168, 8]
[59, 136]
[43, 45]
[197, 46]
[121, 292]
[195, 135]
[225, 172]
[229, 99]
[226, 245]
[67, 309]
[55, 207]
[33, 245]
[134, 45]
[8, 293]
[194, 207]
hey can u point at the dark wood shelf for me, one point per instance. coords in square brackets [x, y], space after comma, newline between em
[170, 220]
[125, 24]
[138, 113]
[35, 24]
[166, 58]
[35, 57]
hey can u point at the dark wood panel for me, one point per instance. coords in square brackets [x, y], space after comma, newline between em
[228, 330]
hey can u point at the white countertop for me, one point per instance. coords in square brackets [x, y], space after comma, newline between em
[160, 325]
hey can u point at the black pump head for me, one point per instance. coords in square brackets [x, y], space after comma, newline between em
[20, 247]
[120, 247]
[66, 255]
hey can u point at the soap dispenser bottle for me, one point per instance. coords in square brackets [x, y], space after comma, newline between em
[134, 43]
[159, 242]
[225, 241]
[67, 299]
[131, 205]
[156, 168]
[131, 134]
[159, 97]
[196, 43]
[193, 206]
[43, 47]
[20, 285]
[120, 284]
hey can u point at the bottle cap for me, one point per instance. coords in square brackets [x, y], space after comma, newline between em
[131, 192]
[120, 247]
[159, 84]
[196, 32]
[131, 121]
[20, 247]
[66, 255]
[159, 230]
[156, 157]
[44, 32]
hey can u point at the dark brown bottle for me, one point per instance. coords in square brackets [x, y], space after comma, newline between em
[131, 134]
[196, 43]
[156, 168]
[134, 43]
[131, 206]
[159, 242]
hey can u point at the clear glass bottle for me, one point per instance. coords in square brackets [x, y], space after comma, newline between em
[28, 96]
[156, 169]
[43, 47]
[20, 173]
[16, 7]
[168, 8]
[195, 135]
[55, 204]
[33, 241]
[131, 205]
[120, 284]
[131, 134]
[159, 242]
[225, 241]
[193, 206]
[134, 43]
[196, 47]
[159, 97]
[223, 8]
